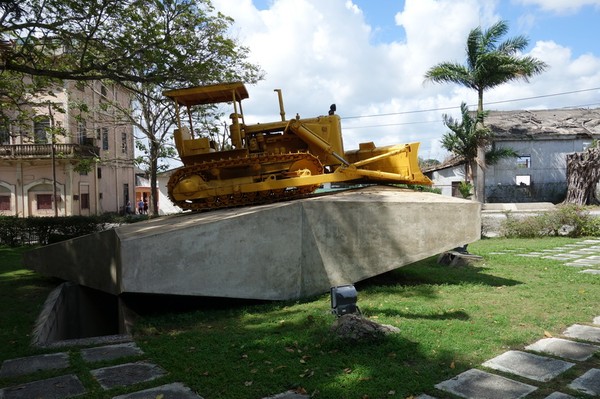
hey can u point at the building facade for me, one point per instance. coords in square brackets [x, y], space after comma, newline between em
[542, 139]
[72, 156]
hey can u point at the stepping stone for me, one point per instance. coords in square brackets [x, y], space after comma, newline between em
[477, 384]
[61, 387]
[534, 367]
[588, 383]
[559, 395]
[288, 395]
[127, 374]
[170, 391]
[590, 271]
[110, 352]
[424, 396]
[32, 364]
[596, 321]
[564, 348]
[584, 333]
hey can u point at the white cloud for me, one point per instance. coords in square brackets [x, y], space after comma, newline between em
[561, 6]
[320, 52]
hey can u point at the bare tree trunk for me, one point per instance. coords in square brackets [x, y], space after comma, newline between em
[583, 173]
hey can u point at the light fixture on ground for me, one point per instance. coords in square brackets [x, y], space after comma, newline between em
[343, 300]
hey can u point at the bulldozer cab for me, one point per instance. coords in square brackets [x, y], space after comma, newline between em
[186, 142]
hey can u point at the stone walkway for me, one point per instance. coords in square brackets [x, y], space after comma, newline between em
[583, 254]
[511, 375]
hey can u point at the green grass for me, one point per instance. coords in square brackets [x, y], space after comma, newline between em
[450, 319]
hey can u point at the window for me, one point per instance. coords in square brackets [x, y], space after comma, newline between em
[81, 133]
[4, 202]
[524, 162]
[40, 129]
[523, 180]
[44, 201]
[4, 135]
[85, 201]
[99, 173]
[124, 143]
[105, 138]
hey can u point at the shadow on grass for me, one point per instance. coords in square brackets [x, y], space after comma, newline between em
[428, 273]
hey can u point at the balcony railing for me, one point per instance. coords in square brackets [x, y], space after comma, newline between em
[16, 151]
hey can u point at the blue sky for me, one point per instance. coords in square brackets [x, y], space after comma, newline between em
[369, 57]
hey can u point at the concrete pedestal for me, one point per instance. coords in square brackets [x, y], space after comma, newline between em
[278, 251]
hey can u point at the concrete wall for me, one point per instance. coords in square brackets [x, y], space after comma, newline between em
[280, 251]
[547, 171]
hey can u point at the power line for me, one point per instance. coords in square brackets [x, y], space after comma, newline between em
[441, 120]
[471, 105]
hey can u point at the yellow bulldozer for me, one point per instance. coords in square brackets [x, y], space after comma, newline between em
[272, 161]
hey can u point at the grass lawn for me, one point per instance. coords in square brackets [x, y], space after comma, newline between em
[450, 319]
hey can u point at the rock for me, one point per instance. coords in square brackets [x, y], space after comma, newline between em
[456, 258]
[355, 327]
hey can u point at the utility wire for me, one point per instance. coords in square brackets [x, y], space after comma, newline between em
[471, 105]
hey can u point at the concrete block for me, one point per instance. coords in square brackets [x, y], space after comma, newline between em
[281, 251]
[596, 321]
[559, 395]
[534, 367]
[564, 348]
[589, 383]
[32, 364]
[110, 352]
[170, 391]
[127, 374]
[65, 386]
[477, 384]
[288, 395]
[584, 333]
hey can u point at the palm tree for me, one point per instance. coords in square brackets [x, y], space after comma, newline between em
[467, 136]
[489, 64]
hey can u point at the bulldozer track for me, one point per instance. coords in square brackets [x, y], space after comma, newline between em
[238, 198]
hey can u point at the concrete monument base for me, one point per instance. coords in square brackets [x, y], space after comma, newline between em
[279, 251]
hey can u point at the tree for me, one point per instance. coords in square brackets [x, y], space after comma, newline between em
[489, 63]
[465, 137]
[583, 175]
[144, 45]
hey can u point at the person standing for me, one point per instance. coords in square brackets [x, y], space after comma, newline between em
[141, 206]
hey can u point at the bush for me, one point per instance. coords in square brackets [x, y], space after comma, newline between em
[566, 220]
[15, 231]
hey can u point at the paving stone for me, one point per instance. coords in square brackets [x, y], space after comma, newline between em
[559, 395]
[588, 383]
[425, 396]
[534, 367]
[32, 364]
[573, 264]
[590, 260]
[127, 374]
[564, 348]
[110, 352]
[590, 271]
[65, 386]
[531, 255]
[596, 320]
[477, 384]
[170, 391]
[288, 395]
[584, 333]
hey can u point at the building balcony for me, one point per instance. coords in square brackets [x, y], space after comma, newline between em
[42, 151]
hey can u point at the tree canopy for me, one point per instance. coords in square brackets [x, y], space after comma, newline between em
[119, 40]
[489, 62]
